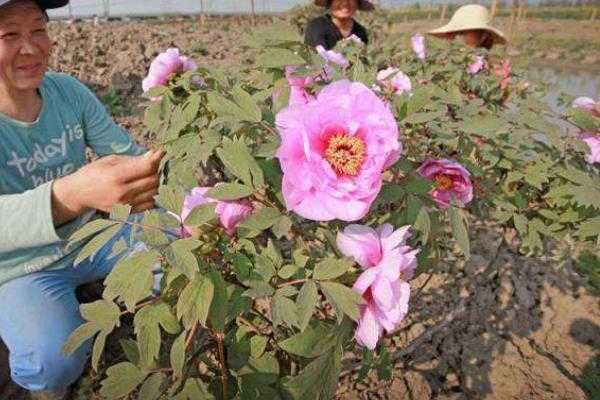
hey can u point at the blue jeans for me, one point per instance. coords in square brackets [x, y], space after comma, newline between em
[38, 312]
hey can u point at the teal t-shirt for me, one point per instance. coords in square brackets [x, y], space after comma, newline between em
[32, 155]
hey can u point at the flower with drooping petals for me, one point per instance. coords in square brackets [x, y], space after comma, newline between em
[333, 152]
[164, 65]
[298, 92]
[394, 79]
[451, 180]
[477, 65]
[230, 213]
[333, 57]
[387, 262]
[418, 46]
[593, 142]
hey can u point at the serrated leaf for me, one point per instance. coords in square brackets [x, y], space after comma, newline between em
[90, 229]
[459, 230]
[195, 301]
[229, 191]
[589, 228]
[284, 310]
[132, 279]
[250, 110]
[331, 268]
[315, 340]
[306, 303]
[122, 379]
[342, 297]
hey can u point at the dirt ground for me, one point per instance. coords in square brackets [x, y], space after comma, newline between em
[500, 326]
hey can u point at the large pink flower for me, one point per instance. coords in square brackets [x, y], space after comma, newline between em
[593, 142]
[298, 84]
[387, 262]
[418, 45]
[334, 150]
[230, 213]
[164, 65]
[451, 179]
[333, 57]
[394, 79]
[588, 104]
[477, 65]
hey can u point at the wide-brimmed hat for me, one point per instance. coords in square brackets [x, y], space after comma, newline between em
[363, 5]
[44, 4]
[470, 17]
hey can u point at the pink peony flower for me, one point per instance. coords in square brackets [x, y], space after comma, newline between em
[164, 65]
[477, 65]
[387, 261]
[334, 150]
[230, 213]
[298, 92]
[333, 57]
[395, 80]
[418, 45]
[588, 104]
[593, 142]
[452, 181]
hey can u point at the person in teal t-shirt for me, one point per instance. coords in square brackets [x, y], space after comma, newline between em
[48, 191]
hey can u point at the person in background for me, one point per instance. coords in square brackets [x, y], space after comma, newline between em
[48, 191]
[471, 24]
[337, 24]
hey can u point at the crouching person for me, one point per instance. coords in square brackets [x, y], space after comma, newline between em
[47, 192]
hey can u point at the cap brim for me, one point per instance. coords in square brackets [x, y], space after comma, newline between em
[44, 4]
[444, 30]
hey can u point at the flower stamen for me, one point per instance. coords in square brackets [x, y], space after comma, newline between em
[444, 182]
[345, 154]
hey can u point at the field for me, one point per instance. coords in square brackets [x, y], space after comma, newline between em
[499, 326]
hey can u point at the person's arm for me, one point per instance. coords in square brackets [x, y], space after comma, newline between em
[315, 34]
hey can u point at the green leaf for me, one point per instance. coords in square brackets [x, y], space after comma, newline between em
[316, 339]
[423, 224]
[586, 196]
[194, 389]
[147, 324]
[238, 160]
[284, 310]
[287, 271]
[90, 229]
[122, 379]
[151, 389]
[195, 301]
[589, 228]
[331, 268]
[192, 107]
[459, 230]
[177, 354]
[487, 126]
[79, 336]
[422, 117]
[229, 191]
[343, 298]
[132, 279]
[259, 221]
[201, 214]
[99, 241]
[278, 58]
[251, 111]
[218, 310]
[182, 257]
[171, 199]
[130, 349]
[120, 212]
[318, 381]
[306, 302]
[282, 227]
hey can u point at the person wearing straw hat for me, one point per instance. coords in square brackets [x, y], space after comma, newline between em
[471, 23]
[48, 191]
[337, 24]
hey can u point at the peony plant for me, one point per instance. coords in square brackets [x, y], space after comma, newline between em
[298, 203]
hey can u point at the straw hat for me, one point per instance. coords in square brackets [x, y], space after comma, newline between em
[470, 17]
[363, 5]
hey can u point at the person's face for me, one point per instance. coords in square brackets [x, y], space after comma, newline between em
[343, 9]
[24, 46]
[472, 38]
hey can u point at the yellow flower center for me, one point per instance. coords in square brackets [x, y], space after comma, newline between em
[444, 182]
[345, 154]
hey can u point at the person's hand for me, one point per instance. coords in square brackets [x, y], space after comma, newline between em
[106, 182]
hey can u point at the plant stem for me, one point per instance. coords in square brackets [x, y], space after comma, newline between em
[191, 335]
[220, 337]
[290, 283]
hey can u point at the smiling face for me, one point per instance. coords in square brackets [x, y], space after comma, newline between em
[343, 9]
[24, 46]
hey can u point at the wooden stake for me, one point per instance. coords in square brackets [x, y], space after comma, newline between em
[444, 11]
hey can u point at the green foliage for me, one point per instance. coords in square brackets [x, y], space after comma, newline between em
[269, 311]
